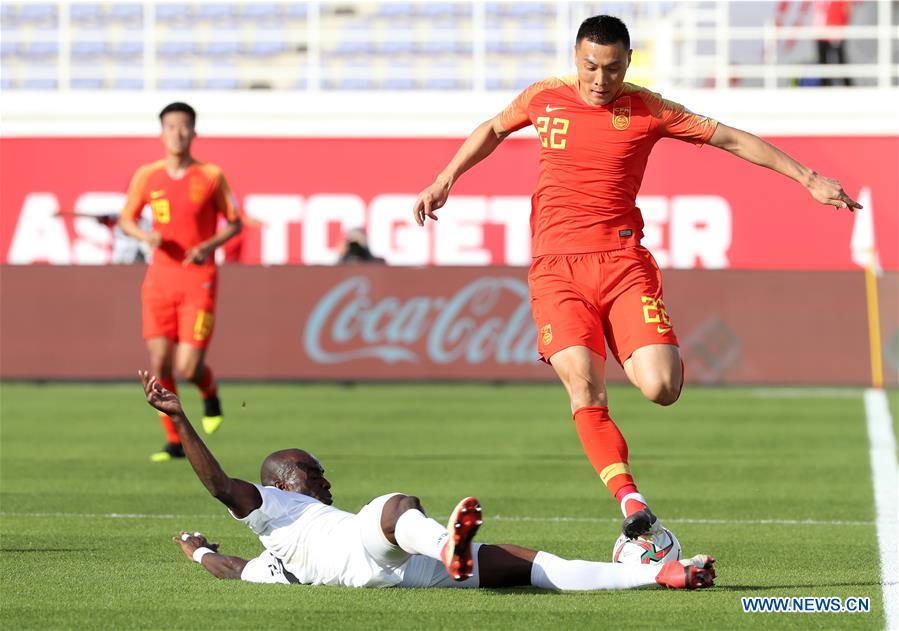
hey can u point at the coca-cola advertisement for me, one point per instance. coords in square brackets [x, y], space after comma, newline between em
[381, 323]
[703, 208]
[487, 320]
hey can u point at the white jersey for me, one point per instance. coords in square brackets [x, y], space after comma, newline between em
[312, 543]
[320, 544]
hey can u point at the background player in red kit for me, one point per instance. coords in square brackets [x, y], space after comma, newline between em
[591, 281]
[187, 198]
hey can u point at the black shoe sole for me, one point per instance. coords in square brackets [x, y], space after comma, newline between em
[638, 523]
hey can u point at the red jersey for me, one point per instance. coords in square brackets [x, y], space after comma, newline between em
[185, 211]
[592, 160]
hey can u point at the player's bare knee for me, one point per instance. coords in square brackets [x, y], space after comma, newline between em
[408, 502]
[661, 392]
[187, 371]
[161, 366]
[186, 374]
[586, 394]
[393, 509]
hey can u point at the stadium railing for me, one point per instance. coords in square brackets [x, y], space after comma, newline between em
[402, 46]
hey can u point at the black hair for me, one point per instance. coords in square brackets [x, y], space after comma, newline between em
[604, 29]
[178, 106]
[356, 252]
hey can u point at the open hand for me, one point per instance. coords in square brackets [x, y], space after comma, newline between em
[829, 191]
[163, 400]
[190, 542]
[430, 200]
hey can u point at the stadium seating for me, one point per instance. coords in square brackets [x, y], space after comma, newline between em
[270, 42]
[124, 83]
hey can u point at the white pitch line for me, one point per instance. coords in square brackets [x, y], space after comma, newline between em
[803, 393]
[690, 520]
[507, 518]
[108, 515]
[886, 499]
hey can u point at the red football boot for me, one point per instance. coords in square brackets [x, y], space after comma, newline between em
[463, 524]
[695, 573]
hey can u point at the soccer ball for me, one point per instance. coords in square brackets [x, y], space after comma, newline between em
[647, 550]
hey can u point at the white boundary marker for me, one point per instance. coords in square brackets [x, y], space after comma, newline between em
[886, 499]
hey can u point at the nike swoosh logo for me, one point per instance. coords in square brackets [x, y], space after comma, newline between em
[155, 194]
[663, 329]
[553, 109]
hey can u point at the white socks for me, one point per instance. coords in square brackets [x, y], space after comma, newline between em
[552, 572]
[417, 534]
[632, 496]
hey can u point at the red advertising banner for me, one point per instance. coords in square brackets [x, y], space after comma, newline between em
[401, 323]
[703, 208]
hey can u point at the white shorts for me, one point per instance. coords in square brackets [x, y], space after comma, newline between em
[376, 544]
[413, 570]
[266, 568]
[422, 571]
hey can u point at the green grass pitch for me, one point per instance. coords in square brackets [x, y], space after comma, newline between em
[87, 519]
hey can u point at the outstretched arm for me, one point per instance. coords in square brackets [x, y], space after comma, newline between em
[241, 497]
[476, 147]
[219, 565]
[757, 151]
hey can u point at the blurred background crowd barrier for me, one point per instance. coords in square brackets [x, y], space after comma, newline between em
[383, 323]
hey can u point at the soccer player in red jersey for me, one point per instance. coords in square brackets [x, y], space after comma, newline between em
[591, 281]
[187, 198]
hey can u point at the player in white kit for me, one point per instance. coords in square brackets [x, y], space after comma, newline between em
[390, 542]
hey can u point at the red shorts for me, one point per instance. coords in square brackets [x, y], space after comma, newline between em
[179, 304]
[590, 299]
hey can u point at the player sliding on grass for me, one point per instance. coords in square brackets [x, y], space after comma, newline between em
[187, 198]
[390, 542]
[591, 281]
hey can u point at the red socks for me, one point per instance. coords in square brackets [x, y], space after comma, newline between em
[606, 450]
[207, 386]
[171, 434]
